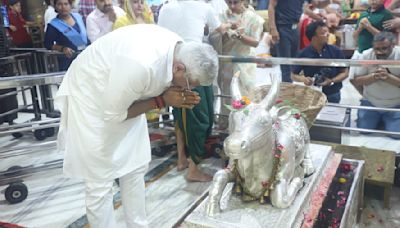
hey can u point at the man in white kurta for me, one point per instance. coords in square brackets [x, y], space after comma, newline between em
[106, 90]
[100, 21]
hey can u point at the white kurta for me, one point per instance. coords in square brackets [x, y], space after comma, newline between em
[49, 15]
[132, 63]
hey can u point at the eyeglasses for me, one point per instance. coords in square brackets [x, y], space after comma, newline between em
[232, 2]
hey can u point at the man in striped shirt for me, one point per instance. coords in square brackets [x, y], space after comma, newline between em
[85, 7]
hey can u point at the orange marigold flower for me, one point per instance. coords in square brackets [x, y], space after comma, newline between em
[246, 100]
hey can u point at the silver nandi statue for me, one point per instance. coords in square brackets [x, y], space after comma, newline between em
[268, 150]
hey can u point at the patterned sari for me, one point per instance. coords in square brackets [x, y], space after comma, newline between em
[253, 26]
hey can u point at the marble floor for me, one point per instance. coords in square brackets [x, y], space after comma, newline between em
[62, 200]
[375, 215]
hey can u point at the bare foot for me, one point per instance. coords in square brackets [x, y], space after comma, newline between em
[182, 165]
[195, 175]
[199, 177]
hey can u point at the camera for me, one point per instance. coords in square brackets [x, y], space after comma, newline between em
[318, 79]
[321, 75]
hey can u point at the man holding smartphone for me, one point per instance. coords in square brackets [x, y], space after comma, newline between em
[380, 86]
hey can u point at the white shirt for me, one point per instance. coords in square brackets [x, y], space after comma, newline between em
[380, 93]
[49, 15]
[102, 82]
[98, 24]
[188, 18]
[219, 6]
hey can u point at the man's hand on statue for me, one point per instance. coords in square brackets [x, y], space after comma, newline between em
[180, 98]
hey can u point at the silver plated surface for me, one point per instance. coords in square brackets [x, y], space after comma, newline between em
[268, 150]
[236, 213]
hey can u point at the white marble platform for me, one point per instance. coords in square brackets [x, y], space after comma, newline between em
[235, 213]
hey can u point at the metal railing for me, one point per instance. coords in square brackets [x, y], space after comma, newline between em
[360, 129]
[311, 62]
[31, 80]
[56, 78]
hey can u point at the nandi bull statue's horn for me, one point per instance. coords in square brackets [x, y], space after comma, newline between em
[235, 87]
[273, 92]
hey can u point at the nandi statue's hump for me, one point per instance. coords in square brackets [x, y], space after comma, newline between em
[268, 148]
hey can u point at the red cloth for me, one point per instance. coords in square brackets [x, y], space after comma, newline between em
[304, 41]
[20, 36]
[387, 3]
[9, 225]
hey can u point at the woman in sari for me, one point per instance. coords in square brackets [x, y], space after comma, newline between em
[66, 33]
[137, 12]
[239, 42]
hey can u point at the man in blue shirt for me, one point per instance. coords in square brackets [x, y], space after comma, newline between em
[283, 18]
[330, 78]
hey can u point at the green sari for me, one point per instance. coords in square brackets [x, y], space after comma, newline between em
[196, 124]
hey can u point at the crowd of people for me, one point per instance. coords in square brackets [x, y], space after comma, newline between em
[125, 71]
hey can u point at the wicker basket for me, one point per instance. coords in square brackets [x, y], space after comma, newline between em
[304, 98]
